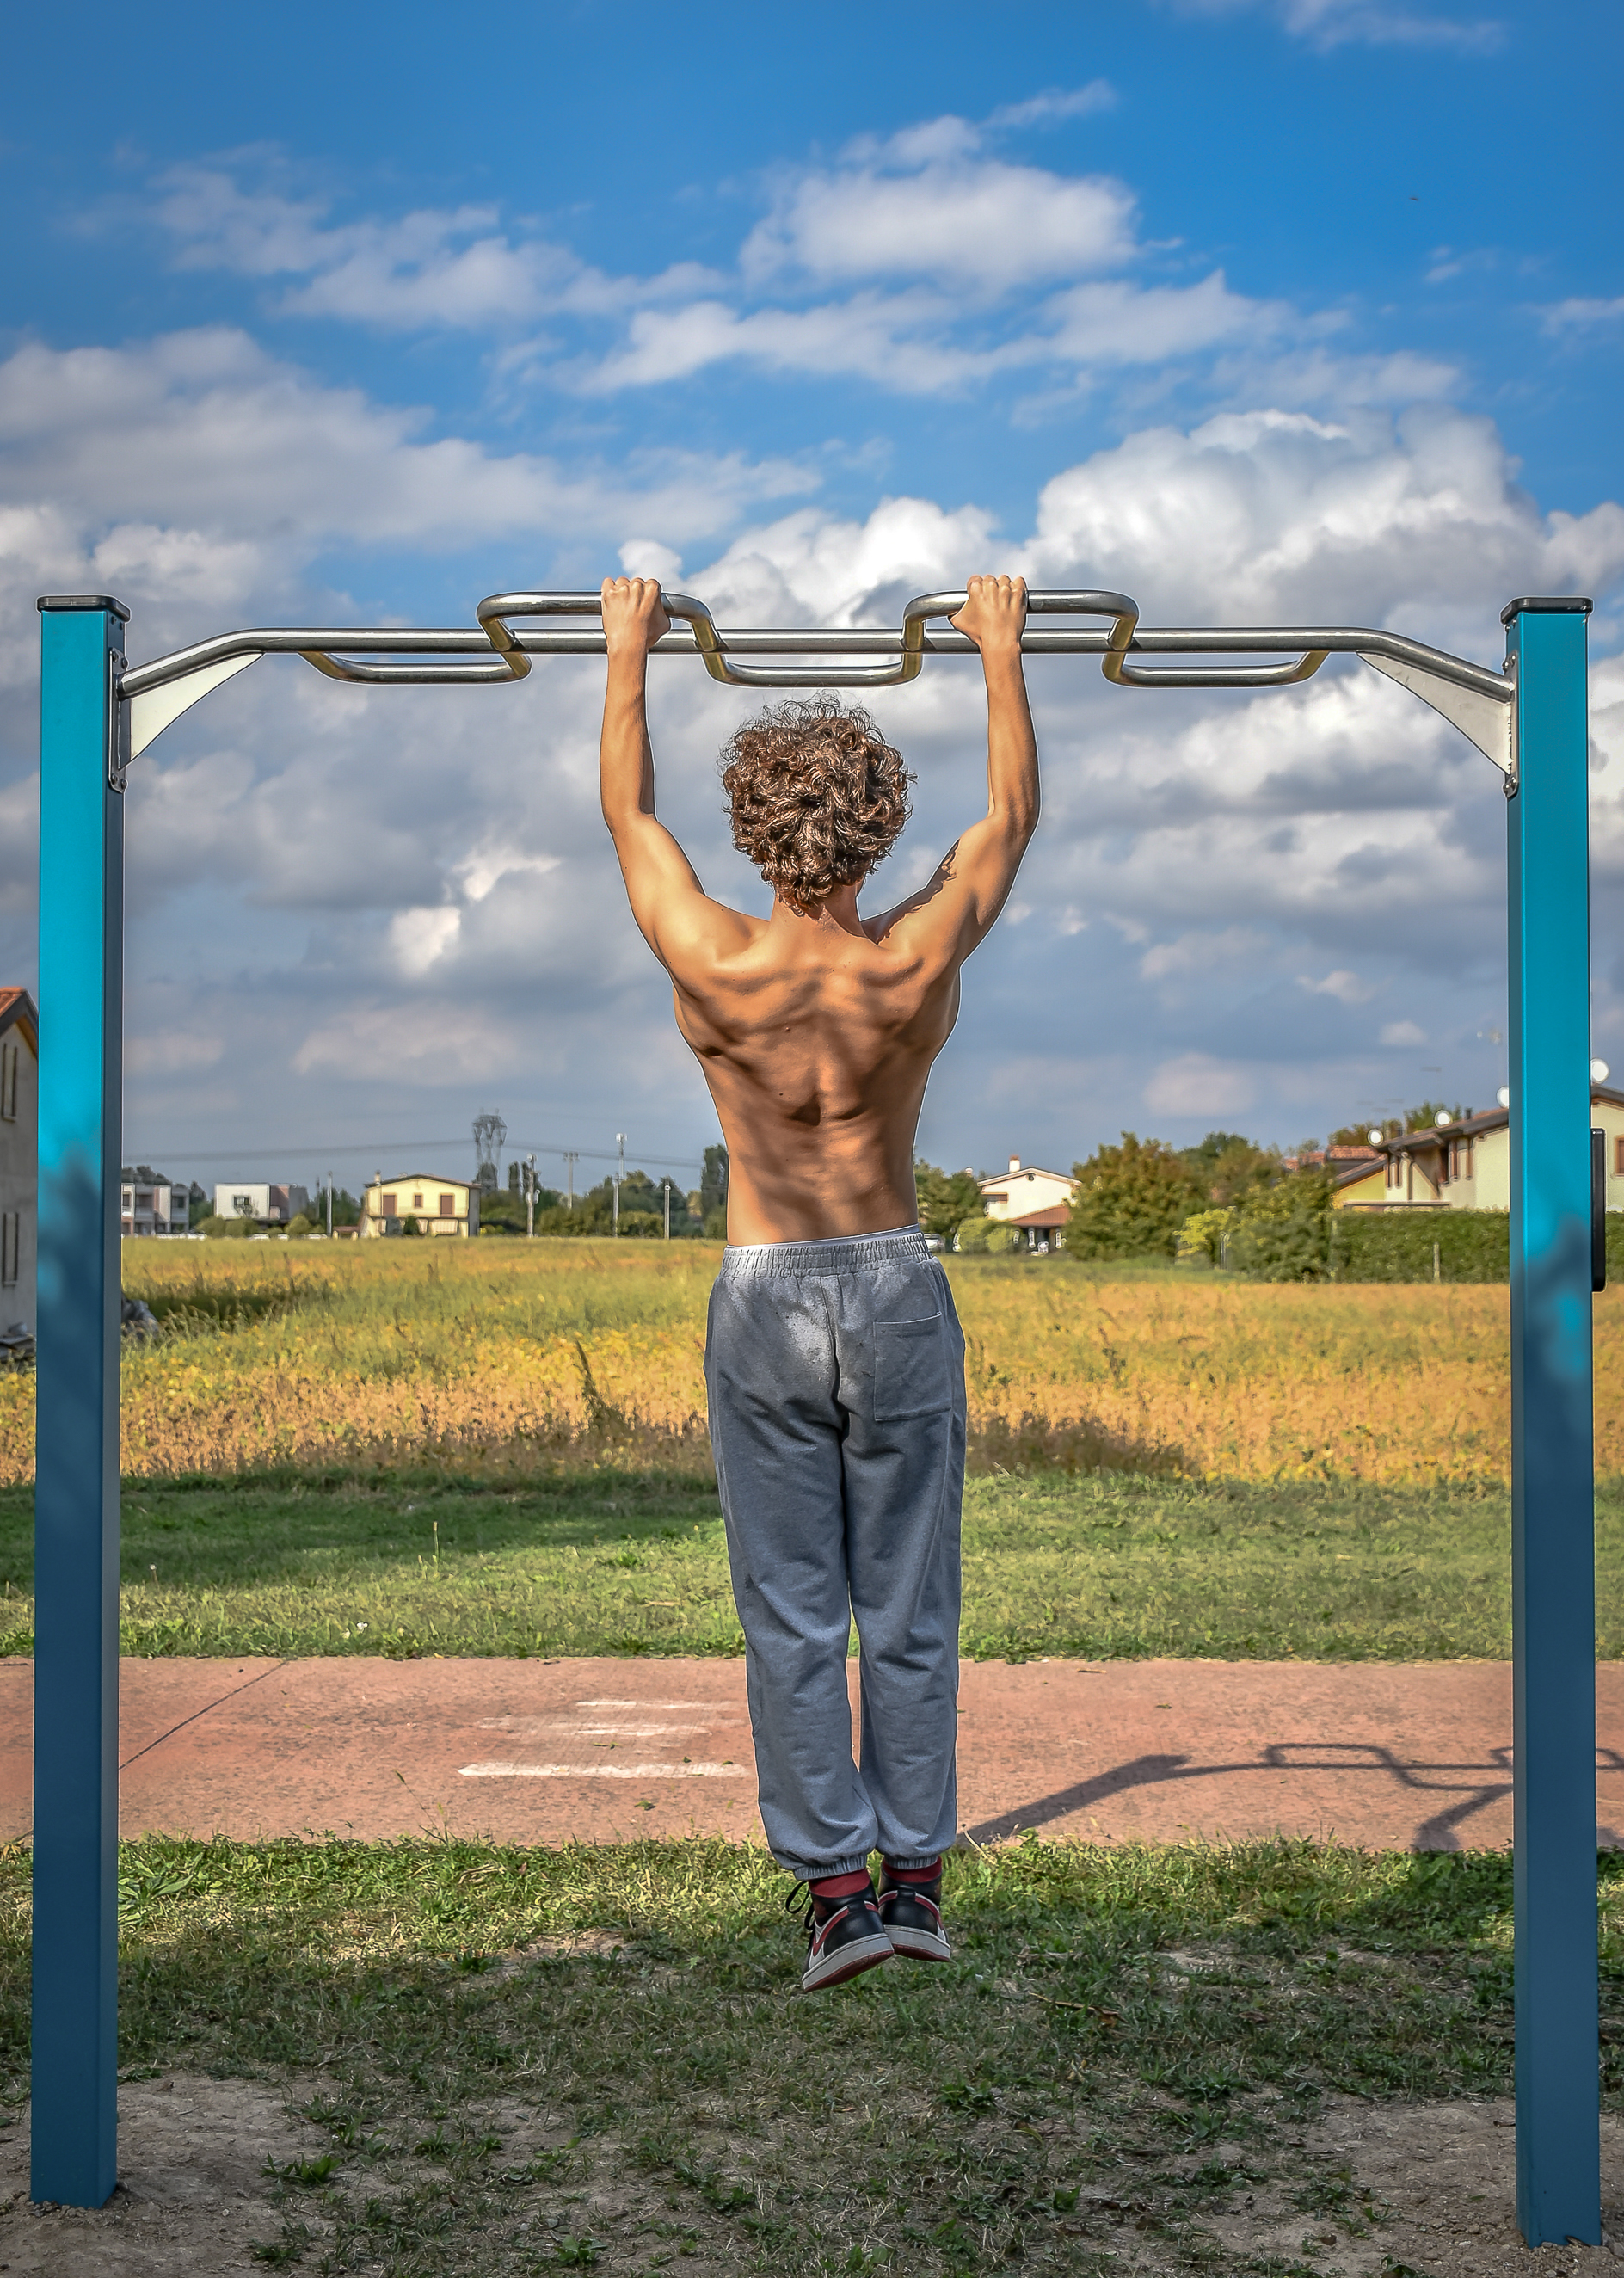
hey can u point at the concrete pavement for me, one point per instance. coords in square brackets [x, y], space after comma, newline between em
[1391, 1756]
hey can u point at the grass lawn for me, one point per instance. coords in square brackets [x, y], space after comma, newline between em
[600, 1562]
[524, 2060]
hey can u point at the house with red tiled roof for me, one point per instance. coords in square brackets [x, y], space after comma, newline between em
[1036, 1201]
[1464, 1163]
[19, 1175]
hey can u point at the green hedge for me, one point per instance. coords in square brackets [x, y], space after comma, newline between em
[1472, 1245]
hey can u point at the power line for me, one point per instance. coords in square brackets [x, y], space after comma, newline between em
[397, 1147]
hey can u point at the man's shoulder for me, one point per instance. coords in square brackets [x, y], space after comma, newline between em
[707, 934]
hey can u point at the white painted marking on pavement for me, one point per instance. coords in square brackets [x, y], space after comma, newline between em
[604, 1771]
[571, 1728]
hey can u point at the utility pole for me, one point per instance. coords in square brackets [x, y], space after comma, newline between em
[620, 1178]
[330, 1205]
[530, 1197]
[571, 1157]
[666, 1183]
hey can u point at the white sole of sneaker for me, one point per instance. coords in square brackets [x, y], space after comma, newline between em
[848, 1962]
[919, 1945]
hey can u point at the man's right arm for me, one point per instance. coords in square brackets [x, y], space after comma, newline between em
[673, 913]
[973, 881]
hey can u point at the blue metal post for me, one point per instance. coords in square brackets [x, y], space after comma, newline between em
[76, 1476]
[1553, 1560]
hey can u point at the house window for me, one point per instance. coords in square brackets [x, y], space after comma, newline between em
[242, 1205]
[387, 1206]
[11, 1246]
[416, 1202]
[9, 1056]
[448, 1206]
[1617, 1157]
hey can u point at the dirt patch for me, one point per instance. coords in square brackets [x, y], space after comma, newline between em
[1369, 2191]
[1431, 2187]
[192, 2194]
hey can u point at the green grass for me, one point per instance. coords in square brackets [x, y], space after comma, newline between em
[602, 1562]
[506, 2054]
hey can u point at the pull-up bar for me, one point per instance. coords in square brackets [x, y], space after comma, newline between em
[1476, 699]
[96, 713]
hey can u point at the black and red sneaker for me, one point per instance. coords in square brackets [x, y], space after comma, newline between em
[844, 1936]
[912, 1913]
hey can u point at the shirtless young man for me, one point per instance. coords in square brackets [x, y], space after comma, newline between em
[833, 1362]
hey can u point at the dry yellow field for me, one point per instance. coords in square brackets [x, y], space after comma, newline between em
[301, 1354]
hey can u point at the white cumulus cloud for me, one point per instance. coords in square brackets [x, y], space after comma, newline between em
[1197, 1084]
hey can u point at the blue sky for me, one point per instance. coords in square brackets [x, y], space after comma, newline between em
[1299, 309]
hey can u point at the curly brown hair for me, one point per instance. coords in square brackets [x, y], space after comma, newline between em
[816, 795]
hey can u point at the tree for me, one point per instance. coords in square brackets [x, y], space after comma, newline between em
[713, 1182]
[1284, 1234]
[507, 1209]
[1131, 1200]
[948, 1199]
[1230, 1166]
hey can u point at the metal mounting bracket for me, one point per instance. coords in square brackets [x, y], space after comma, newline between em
[1489, 722]
[150, 712]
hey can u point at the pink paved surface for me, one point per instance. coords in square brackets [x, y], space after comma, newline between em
[1394, 1757]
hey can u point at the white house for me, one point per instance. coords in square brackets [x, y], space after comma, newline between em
[20, 1183]
[148, 1204]
[439, 1205]
[271, 1206]
[1466, 1165]
[1037, 1201]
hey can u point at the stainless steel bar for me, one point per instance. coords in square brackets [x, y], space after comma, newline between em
[309, 642]
[497, 651]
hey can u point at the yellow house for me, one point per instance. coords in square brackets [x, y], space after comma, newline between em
[1466, 1166]
[1037, 1201]
[439, 1205]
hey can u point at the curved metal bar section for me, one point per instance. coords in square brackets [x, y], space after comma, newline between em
[905, 651]
[1124, 674]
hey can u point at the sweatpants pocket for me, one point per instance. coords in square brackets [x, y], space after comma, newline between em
[910, 1369]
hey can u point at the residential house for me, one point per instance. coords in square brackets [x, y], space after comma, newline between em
[1037, 1201]
[439, 1205]
[19, 1177]
[1464, 1165]
[148, 1204]
[270, 1205]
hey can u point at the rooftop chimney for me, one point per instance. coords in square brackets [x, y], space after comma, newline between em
[1015, 1163]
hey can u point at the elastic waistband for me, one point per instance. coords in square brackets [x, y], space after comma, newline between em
[847, 1253]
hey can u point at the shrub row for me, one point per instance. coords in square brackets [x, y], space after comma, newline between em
[1471, 1245]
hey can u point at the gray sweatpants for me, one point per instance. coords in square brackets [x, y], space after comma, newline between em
[835, 1372]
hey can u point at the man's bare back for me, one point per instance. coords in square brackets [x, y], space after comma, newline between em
[816, 1028]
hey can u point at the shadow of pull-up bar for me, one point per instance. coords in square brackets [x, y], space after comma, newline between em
[1473, 1786]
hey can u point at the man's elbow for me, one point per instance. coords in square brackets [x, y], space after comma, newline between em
[1020, 818]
